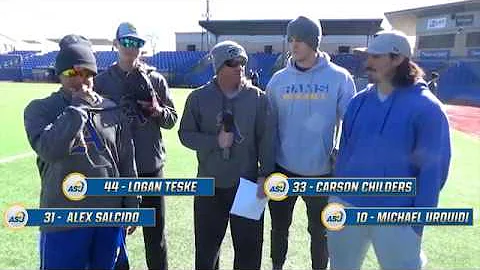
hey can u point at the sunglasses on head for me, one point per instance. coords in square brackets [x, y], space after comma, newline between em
[128, 42]
[73, 72]
[235, 63]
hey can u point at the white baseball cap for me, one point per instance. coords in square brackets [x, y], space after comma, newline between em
[385, 42]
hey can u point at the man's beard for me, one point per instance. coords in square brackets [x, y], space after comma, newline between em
[371, 78]
[370, 73]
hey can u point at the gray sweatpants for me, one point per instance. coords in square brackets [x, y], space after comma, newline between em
[396, 247]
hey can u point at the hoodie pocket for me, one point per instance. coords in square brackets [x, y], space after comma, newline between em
[216, 165]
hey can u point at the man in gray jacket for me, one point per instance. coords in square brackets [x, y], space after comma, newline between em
[145, 98]
[75, 130]
[308, 97]
[227, 122]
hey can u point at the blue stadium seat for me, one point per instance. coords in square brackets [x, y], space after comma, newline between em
[459, 79]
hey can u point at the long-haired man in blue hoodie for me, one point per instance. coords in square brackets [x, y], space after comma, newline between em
[308, 97]
[395, 127]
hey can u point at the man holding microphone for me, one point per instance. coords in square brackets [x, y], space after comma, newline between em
[226, 122]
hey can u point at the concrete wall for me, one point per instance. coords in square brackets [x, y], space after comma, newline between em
[255, 44]
[198, 39]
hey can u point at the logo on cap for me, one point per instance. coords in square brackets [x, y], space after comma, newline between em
[233, 52]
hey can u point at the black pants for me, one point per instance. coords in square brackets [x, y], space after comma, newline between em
[211, 216]
[154, 237]
[281, 213]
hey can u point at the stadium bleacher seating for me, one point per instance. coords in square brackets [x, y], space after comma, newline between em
[354, 63]
[183, 68]
[24, 54]
[459, 79]
[38, 61]
[460, 82]
[105, 59]
[11, 67]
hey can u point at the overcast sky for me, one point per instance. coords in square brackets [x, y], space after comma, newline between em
[39, 19]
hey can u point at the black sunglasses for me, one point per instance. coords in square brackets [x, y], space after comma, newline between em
[235, 63]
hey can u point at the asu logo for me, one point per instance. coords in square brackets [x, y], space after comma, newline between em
[333, 216]
[16, 217]
[74, 186]
[276, 187]
[279, 187]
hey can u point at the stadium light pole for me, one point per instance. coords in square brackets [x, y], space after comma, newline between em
[207, 16]
[153, 38]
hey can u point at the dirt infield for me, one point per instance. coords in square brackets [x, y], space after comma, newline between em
[465, 119]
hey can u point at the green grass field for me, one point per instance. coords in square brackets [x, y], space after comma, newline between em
[446, 247]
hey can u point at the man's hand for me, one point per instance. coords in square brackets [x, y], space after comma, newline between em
[153, 107]
[225, 139]
[86, 94]
[260, 189]
[131, 230]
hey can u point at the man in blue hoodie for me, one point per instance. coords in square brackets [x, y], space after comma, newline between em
[308, 97]
[387, 132]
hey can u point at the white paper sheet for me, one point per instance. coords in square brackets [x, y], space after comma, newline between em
[246, 203]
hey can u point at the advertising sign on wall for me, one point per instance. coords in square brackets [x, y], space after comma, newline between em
[436, 54]
[437, 23]
[464, 20]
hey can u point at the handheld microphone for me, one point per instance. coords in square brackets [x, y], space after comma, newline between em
[228, 123]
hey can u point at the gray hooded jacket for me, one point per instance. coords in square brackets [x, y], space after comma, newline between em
[70, 136]
[252, 153]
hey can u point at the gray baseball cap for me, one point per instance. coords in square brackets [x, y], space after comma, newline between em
[385, 42]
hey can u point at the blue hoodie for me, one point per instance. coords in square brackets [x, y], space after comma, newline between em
[407, 135]
[306, 107]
